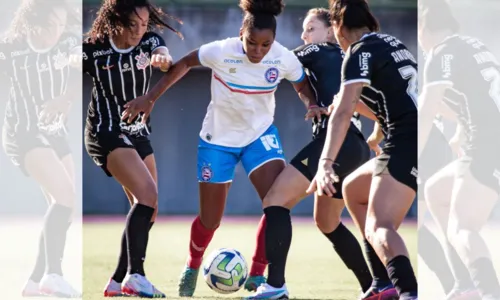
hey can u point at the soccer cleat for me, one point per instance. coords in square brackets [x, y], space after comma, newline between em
[113, 289]
[187, 282]
[253, 282]
[138, 285]
[265, 291]
[377, 293]
[31, 289]
[55, 285]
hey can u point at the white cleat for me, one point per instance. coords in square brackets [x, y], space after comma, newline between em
[113, 289]
[265, 291]
[55, 285]
[31, 289]
[138, 285]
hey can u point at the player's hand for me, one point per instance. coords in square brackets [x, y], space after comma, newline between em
[54, 109]
[161, 61]
[315, 111]
[135, 107]
[325, 177]
[331, 107]
[455, 145]
[374, 141]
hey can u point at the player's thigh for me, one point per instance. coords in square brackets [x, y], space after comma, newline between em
[327, 212]
[475, 186]
[263, 160]
[216, 165]
[393, 188]
[288, 189]
[356, 186]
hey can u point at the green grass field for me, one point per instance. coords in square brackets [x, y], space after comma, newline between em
[314, 271]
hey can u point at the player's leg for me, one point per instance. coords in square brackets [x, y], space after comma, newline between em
[216, 166]
[392, 193]
[356, 191]
[477, 186]
[116, 154]
[437, 194]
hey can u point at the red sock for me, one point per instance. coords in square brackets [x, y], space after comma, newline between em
[200, 238]
[259, 260]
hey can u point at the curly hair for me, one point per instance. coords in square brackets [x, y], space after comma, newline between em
[33, 15]
[113, 17]
[261, 14]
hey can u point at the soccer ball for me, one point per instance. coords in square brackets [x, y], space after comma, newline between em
[225, 271]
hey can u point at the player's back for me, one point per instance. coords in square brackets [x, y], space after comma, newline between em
[390, 71]
[472, 73]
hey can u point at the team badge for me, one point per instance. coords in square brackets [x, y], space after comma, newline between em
[272, 75]
[206, 173]
[142, 61]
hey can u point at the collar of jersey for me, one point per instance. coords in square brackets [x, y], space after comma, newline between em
[118, 49]
[30, 44]
[367, 35]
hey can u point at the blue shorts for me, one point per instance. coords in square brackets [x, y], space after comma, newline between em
[216, 164]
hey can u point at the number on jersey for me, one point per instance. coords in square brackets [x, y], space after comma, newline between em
[492, 75]
[410, 73]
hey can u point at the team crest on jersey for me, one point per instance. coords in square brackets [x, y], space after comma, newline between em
[60, 60]
[206, 173]
[142, 61]
[272, 75]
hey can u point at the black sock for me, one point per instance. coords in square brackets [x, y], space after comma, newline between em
[137, 232]
[121, 269]
[39, 269]
[349, 250]
[432, 253]
[278, 240]
[462, 275]
[485, 278]
[57, 221]
[380, 276]
[402, 276]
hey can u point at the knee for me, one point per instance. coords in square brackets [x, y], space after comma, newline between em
[273, 198]
[210, 222]
[376, 232]
[327, 223]
[147, 194]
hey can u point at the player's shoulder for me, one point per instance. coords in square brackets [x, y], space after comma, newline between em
[70, 39]
[150, 37]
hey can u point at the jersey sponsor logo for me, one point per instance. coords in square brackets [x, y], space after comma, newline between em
[364, 63]
[102, 52]
[126, 68]
[233, 61]
[446, 65]
[19, 53]
[270, 142]
[206, 173]
[132, 128]
[84, 55]
[142, 61]
[272, 75]
[271, 62]
[308, 50]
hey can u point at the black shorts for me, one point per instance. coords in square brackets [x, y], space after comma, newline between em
[100, 144]
[483, 166]
[17, 145]
[353, 153]
[399, 158]
[436, 155]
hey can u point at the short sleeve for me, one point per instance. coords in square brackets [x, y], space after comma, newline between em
[439, 66]
[156, 42]
[306, 54]
[208, 54]
[357, 65]
[87, 56]
[294, 70]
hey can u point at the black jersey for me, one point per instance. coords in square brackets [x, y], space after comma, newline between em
[119, 75]
[322, 63]
[35, 77]
[472, 74]
[390, 72]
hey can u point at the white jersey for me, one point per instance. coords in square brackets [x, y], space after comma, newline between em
[242, 104]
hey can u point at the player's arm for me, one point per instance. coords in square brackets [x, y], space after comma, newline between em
[361, 108]
[160, 55]
[436, 81]
[354, 78]
[297, 76]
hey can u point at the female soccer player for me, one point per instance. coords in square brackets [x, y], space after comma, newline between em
[119, 54]
[32, 57]
[322, 59]
[246, 71]
[461, 76]
[379, 70]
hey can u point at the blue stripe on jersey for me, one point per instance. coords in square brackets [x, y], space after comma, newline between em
[301, 77]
